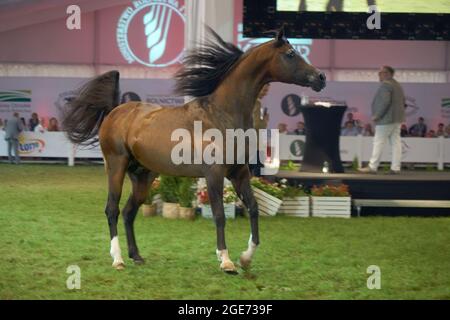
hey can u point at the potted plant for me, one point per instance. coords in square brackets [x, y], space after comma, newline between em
[168, 188]
[229, 202]
[290, 166]
[186, 194]
[268, 196]
[150, 206]
[331, 201]
[295, 201]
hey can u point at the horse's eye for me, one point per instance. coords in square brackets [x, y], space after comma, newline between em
[290, 53]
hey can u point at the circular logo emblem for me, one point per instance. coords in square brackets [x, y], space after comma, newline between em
[291, 105]
[151, 33]
[297, 147]
[130, 96]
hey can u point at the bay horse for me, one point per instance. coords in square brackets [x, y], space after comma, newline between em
[135, 137]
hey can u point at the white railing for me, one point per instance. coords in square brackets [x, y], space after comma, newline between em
[414, 150]
[50, 145]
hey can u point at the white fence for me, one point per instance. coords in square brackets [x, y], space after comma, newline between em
[50, 145]
[414, 150]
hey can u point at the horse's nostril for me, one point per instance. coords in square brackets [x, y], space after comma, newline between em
[322, 76]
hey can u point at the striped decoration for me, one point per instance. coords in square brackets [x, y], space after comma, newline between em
[15, 96]
[445, 103]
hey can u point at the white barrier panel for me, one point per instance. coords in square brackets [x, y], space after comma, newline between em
[88, 151]
[49, 145]
[420, 150]
[33, 144]
[415, 150]
[291, 147]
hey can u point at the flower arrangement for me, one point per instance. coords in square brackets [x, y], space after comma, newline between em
[292, 191]
[290, 166]
[330, 191]
[168, 188]
[229, 195]
[153, 191]
[273, 189]
[186, 191]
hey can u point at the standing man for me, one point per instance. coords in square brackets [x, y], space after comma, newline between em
[388, 113]
[12, 131]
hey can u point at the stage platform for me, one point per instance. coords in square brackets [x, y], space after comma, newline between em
[408, 185]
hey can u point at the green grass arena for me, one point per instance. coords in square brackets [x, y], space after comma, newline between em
[51, 217]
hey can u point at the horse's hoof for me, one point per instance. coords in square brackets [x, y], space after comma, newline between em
[139, 261]
[228, 267]
[245, 263]
[118, 265]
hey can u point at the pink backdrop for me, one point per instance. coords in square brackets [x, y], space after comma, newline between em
[95, 43]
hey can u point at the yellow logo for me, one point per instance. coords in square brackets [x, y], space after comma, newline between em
[27, 146]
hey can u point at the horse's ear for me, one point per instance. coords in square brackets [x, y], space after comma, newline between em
[281, 38]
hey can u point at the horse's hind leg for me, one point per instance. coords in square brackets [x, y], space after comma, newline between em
[116, 167]
[141, 180]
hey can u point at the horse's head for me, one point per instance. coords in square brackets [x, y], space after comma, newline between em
[287, 66]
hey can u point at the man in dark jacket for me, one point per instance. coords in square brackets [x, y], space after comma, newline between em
[12, 132]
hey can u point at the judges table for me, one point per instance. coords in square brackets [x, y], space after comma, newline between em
[323, 129]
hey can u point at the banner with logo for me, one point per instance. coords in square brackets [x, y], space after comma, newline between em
[15, 101]
[35, 144]
[430, 101]
[414, 150]
[46, 96]
[151, 33]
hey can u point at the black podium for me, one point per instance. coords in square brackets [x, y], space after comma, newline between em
[323, 129]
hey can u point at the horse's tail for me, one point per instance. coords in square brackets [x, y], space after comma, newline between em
[82, 116]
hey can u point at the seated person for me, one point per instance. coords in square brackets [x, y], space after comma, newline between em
[40, 127]
[350, 129]
[368, 131]
[441, 131]
[282, 128]
[53, 124]
[404, 131]
[431, 134]
[300, 128]
[419, 129]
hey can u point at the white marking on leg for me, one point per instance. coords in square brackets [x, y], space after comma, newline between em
[116, 254]
[248, 254]
[226, 264]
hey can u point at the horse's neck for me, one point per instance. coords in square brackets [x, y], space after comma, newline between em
[238, 93]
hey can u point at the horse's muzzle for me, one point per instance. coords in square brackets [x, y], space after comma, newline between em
[320, 82]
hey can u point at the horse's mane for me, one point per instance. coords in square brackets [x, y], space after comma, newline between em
[205, 67]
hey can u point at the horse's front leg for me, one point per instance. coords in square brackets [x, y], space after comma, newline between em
[214, 183]
[241, 183]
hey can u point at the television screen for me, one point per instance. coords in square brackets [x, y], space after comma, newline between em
[388, 6]
[350, 19]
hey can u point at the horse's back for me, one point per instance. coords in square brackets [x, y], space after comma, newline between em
[116, 127]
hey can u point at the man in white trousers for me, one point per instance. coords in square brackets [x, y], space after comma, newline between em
[388, 113]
